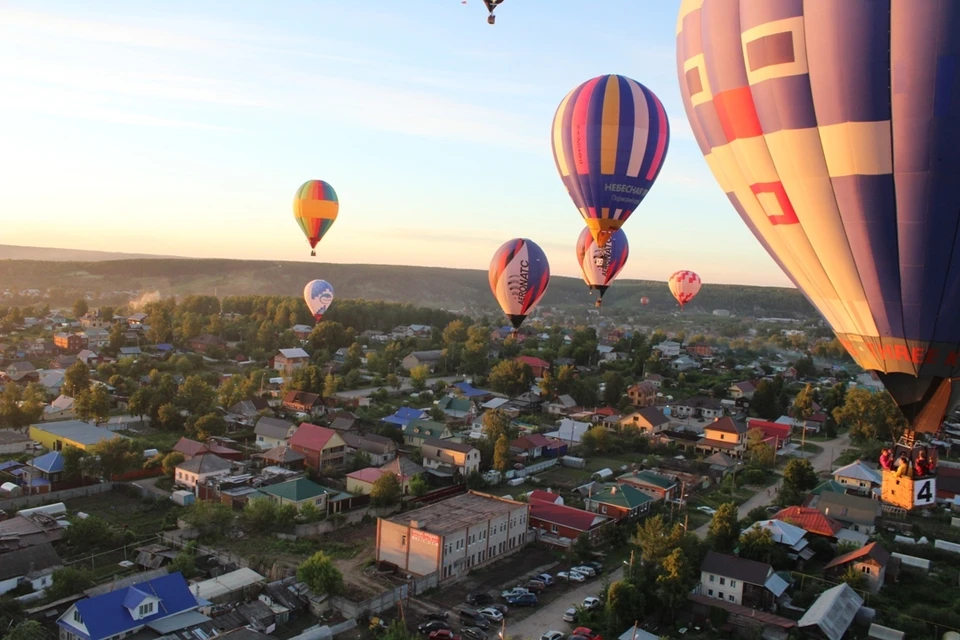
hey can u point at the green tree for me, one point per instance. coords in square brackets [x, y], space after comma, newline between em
[614, 388]
[117, 339]
[803, 404]
[870, 416]
[501, 453]
[354, 356]
[624, 604]
[185, 564]
[209, 425]
[455, 332]
[69, 581]
[655, 540]
[260, 515]
[386, 491]
[320, 575]
[548, 385]
[596, 440]
[211, 519]
[566, 379]
[330, 385]
[170, 462]
[418, 377]
[33, 402]
[141, 402]
[418, 485]
[799, 477]
[27, 630]
[80, 308]
[765, 402]
[761, 454]
[393, 381]
[169, 417]
[115, 457]
[75, 379]
[90, 533]
[757, 544]
[725, 528]
[674, 583]
[510, 377]
[10, 413]
[359, 460]
[496, 423]
[853, 577]
[196, 396]
[92, 404]
[309, 512]
[73, 463]
[582, 548]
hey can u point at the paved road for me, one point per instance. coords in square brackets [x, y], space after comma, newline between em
[404, 387]
[550, 617]
[822, 461]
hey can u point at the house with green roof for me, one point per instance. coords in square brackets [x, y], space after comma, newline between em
[298, 493]
[415, 432]
[621, 502]
[831, 486]
[655, 485]
[454, 407]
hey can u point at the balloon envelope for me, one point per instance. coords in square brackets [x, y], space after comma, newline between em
[684, 285]
[519, 275]
[644, 300]
[833, 128]
[600, 265]
[318, 295]
[610, 138]
[315, 208]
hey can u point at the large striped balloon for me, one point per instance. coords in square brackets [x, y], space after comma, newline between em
[834, 129]
[315, 208]
[601, 265]
[684, 285]
[610, 138]
[519, 275]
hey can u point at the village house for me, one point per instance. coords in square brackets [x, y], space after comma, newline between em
[404, 416]
[191, 448]
[649, 420]
[69, 433]
[792, 537]
[287, 361]
[454, 408]
[871, 560]
[418, 430]
[858, 477]
[344, 422]
[60, 408]
[321, 447]
[724, 435]
[684, 363]
[380, 449]
[12, 441]
[199, 469]
[41, 474]
[561, 406]
[445, 457]
[774, 434]
[205, 342]
[654, 378]
[272, 432]
[95, 338]
[810, 520]
[698, 407]
[299, 493]
[303, 402]
[740, 581]
[539, 366]
[429, 358]
[561, 525]
[701, 349]
[536, 445]
[668, 349]
[642, 394]
[283, 457]
[655, 485]
[742, 390]
[302, 331]
[22, 372]
[620, 502]
[854, 512]
[70, 342]
[31, 565]
[403, 469]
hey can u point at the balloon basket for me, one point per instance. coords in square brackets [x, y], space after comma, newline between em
[598, 303]
[313, 253]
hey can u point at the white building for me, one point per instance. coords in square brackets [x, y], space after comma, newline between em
[199, 469]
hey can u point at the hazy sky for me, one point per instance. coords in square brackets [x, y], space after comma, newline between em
[184, 128]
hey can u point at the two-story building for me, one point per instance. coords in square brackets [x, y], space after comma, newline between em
[448, 458]
[287, 361]
[853, 512]
[321, 447]
[273, 432]
[642, 394]
[870, 560]
[303, 402]
[380, 449]
[415, 432]
[698, 407]
[418, 358]
[724, 435]
[740, 581]
[71, 342]
[859, 477]
[742, 390]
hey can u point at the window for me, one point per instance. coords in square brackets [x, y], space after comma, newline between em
[553, 528]
[523, 519]
[865, 569]
[146, 609]
[77, 617]
[712, 577]
[603, 509]
[710, 592]
[722, 597]
[731, 598]
[723, 580]
[733, 583]
[403, 541]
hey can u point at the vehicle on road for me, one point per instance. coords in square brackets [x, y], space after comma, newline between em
[587, 633]
[492, 614]
[479, 599]
[438, 615]
[590, 572]
[434, 625]
[535, 586]
[473, 618]
[552, 635]
[523, 600]
[516, 591]
[444, 634]
[502, 608]
[472, 633]
[707, 510]
[546, 579]
[596, 566]
[590, 603]
[572, 576]
[570, 615]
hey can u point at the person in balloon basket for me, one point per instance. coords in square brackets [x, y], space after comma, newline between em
[922, 466]
[886, 459]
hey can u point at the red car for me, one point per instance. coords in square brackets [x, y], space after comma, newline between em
[586, 633]
[444, 634]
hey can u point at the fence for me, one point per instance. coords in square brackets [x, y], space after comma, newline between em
[179, 540]
[332, 523]
[530, 470]
[386, 600]
[38, 499]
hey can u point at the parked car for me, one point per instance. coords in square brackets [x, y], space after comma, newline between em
[473, 618]
[444, 634]
[471, 633]
[435, 625]
[546, 579]
[586, 633]
[535, 586]
[707, 510]
[590, 603]
[516, 591]
[572, 576]
[590, 572]
[479, 599]
[570, 615]
[596, 566]
[502, 608]
[552, 635]
[492, 614]
[523, 600]
[438, 615]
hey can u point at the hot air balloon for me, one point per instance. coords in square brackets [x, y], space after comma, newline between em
[600, 265]
[319, 296]
[315, 208]
[519, 275]
[684, 285]
[491, 5]
[833, 128]
[644, 300]
[610, 139]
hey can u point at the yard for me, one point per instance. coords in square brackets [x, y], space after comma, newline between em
[143, 518]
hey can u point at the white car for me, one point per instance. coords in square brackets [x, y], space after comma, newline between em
[491, 614]
[708, 510]
[570, 615]
[585, 570]
[590, 603]
[552, 635]
[512, 593]
[572, 576]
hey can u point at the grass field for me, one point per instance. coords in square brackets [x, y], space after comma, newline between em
[125, 512]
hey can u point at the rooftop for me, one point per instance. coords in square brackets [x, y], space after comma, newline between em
[649, 477]
[77, 431]
[296, 352]
[312, 437]
[571, 517]
[368, 474]
[205, 463]
[449, 445]
[748, 571]
[458, 513]
[622, 496]
[872, 551]
[727, 425]
[858, 471]
[295, 490]
[809, 520]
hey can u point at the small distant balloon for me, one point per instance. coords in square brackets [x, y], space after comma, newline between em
[644, 300]
[318, 295]
[519, 275]
[315, 207]
[684, 285]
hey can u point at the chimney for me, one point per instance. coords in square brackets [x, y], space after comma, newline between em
[613, 490]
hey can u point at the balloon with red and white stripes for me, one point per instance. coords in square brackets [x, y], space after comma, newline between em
[684, 285]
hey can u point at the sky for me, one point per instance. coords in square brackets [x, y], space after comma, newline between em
[184, 128]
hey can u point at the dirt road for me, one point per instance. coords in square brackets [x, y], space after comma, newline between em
[822, 462]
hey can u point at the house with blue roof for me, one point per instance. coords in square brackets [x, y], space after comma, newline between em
[404, 416]
[468, 391]
[42, 472]
[127, 610]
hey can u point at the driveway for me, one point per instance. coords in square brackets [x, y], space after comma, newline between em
[150, 485]
[822, 462]
[550, 617]
[404, 387]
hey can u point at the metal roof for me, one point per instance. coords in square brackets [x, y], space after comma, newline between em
[227, 583]
[833, 611]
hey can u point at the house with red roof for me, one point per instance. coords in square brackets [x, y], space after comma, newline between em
[538, 366]
[539, 495]
[871, 560]
[190, 448]
[320, 446]
[643, 394]
[560, 525]
[774, 433]
[810, 520]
